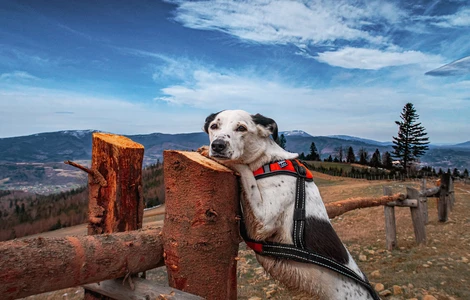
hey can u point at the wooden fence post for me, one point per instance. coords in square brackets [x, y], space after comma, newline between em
[424, 202]
[417, 216]
[390, 226]
[115, 188]
[444, 198]
[200, 231]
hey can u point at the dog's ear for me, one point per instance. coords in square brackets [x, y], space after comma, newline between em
[209, 119]
[266, 126]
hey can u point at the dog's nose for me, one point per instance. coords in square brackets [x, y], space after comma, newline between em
[218, 145]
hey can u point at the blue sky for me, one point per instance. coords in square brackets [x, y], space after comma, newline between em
[326, 67]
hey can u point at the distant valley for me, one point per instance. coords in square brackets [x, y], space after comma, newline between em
[35, 163]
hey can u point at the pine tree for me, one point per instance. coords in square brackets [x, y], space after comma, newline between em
[329, 159]
[363, 156]
[465, 173]
[456, 173]
[313, 153]
[351, 157]
[411, 142]
[387, 161]
[282, 141]
[375, 160]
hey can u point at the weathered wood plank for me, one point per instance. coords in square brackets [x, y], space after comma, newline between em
[200, 231]
[404, 203]
[34, 266]
[444, 199]
[417, 216]
[390, 226]
[142, 290]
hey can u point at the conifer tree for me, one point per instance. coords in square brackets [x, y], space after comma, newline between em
[375, 160]
[387, 161]
[351, 157]
[411, 141]
[363, 156]
[313, 153]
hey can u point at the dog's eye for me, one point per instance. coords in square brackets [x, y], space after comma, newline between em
[241, 128]
[214, 126]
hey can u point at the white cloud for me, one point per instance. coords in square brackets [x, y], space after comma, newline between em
[459, 19]
[458, 67]
[17, 76]
[373, 59]
[266, 21]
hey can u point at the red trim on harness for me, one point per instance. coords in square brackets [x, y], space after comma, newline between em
[257, 247]
[284, 165]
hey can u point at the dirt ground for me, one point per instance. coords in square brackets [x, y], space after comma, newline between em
[440, 268]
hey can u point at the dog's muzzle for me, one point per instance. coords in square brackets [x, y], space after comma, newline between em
[218, 148]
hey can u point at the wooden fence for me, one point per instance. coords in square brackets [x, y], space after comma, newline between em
[198, 243]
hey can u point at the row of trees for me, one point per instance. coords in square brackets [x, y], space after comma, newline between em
[377, 160]
[410, 143]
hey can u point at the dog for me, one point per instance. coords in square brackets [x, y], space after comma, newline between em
[246, 143]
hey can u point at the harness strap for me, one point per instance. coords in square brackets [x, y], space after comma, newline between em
[291, 252]
[297, 252]
[299, 207]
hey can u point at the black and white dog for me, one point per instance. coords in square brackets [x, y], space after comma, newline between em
[242, 141]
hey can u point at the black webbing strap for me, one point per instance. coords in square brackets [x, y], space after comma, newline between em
[303, 255]
[299, 207]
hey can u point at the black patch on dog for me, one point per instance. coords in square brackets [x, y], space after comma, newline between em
[269, 123]
[209, 119]
[320, 237]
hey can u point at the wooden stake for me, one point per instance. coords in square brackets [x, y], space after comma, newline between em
[417, 216]
[200, 231]
[444, 199]
[118, 205]
[390, 226]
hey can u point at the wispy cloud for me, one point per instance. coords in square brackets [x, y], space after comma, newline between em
[458, 67]
[264, 21]
[17, 76]
[373, 59]
[460, 19]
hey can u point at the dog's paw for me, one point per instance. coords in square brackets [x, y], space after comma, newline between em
[204, 151]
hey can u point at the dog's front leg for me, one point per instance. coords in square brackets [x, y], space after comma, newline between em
[265, 217]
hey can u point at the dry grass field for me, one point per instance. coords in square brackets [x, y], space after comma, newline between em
[440, 268]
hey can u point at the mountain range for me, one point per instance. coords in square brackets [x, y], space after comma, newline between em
[76, 145]
[21, 157]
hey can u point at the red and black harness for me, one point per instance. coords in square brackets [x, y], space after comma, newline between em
[297, 251]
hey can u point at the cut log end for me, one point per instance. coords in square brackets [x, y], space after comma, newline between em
[117, 140]
[202, 160]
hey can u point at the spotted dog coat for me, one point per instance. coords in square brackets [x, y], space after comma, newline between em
[242, 141]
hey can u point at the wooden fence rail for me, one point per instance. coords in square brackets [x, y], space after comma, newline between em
[38, 265]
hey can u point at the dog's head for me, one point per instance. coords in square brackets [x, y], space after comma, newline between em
[235, 134]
